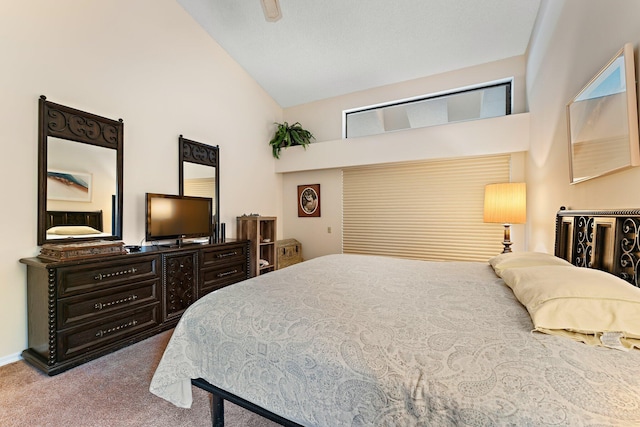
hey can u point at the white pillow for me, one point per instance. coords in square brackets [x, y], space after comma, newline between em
[524, 259]
[586, 304]
[72, 230]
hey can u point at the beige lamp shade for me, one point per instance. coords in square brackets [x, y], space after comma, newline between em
[506, 203]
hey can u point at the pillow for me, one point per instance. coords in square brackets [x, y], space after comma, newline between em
[524, 259]
[71, 230]
[588, 305]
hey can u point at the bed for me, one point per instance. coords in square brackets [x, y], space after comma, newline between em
[358, 340]
[74, 224]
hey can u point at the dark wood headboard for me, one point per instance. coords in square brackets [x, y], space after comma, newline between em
[90, 218]
[604, 239]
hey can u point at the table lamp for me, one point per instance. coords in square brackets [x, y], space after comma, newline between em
[506, 203]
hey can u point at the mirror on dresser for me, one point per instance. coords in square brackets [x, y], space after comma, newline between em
[80, 179]
[199, 174]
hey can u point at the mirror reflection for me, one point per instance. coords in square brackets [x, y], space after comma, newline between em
[199, 181]
[603, 123]
[81, 177]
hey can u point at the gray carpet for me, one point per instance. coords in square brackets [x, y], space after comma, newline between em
[110, 391]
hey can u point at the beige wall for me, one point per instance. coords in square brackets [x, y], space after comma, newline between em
[321, 162]
[576, 39]
[324, 118]
[313, 233]
[149, 63]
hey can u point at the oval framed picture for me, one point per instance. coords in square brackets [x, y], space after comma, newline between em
[309, 200]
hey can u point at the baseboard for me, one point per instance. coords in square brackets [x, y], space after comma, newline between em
[5, 360]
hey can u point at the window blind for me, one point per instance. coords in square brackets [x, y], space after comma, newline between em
[200, 187]
[430, 210]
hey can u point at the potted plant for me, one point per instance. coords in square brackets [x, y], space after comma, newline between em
[288, 135]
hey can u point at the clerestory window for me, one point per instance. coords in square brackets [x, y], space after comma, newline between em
[471, 103]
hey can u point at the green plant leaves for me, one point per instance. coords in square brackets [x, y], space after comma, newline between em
[287, 135]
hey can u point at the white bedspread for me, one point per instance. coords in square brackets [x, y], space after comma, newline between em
[350, 340]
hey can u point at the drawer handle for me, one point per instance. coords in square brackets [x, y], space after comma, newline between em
[100, 306]
[101, 333]
[227, 273]
[101, 276]
[227, 254]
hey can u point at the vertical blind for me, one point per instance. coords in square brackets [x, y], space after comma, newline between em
[430, 210]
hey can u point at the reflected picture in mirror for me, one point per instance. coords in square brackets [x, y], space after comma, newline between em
[67, 185]
[94, 165]
[603, 121]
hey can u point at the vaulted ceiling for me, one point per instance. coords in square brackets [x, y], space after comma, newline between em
[325, 48]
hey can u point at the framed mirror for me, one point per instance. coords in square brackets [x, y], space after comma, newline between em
[603, 121]
[199, 175]
[80, 179]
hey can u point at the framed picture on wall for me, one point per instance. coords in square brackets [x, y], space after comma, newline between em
[309, 200]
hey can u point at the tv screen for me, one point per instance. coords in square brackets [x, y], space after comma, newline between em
[177, 217]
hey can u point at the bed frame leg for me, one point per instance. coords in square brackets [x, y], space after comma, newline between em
[217, 410]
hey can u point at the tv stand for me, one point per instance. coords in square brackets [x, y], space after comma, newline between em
[82, 309]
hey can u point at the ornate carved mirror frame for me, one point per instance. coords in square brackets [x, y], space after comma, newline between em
[62, 125]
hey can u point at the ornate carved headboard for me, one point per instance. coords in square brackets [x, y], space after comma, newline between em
[608, 240]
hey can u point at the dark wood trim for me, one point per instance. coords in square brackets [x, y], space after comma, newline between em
[607, 240]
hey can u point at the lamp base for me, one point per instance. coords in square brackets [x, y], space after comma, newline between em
[507, 239]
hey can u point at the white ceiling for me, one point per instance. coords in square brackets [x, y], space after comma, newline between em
[325, 48]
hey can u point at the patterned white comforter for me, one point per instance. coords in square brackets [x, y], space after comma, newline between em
[351, 340]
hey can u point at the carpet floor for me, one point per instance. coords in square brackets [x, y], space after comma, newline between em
[110, 391]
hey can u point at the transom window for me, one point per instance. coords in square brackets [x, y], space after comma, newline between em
[470, 103]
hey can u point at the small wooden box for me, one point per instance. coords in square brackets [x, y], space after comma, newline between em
[289, 252]
[80, 250]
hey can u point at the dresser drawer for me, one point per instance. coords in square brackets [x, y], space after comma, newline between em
[94, 305]
[220, 276]
[76, 341]
[229, 253]
[94, 276]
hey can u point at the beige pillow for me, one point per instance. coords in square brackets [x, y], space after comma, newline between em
[524, 259]
[586, 304]
[71, 230]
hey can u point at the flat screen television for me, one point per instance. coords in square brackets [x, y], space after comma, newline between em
[177, 217]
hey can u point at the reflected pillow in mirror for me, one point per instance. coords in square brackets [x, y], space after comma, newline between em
[72, 230]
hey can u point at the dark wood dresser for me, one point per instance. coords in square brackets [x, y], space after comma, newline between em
[80, 310]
